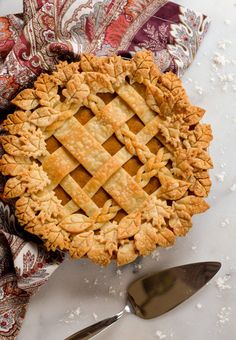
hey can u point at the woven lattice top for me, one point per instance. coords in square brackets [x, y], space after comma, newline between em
[107, 158]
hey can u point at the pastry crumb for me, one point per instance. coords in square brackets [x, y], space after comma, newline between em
[233, 187]
[224, 315]
[119, 272]
[160, 335]
[222, 282]
[199, 306]
[156, 255]
[111, 291]
[95, 316]
[225, 222]
[220, 177]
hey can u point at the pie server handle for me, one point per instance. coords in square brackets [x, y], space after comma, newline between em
[90, 331]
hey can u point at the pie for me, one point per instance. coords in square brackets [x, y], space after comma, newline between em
[107, 158]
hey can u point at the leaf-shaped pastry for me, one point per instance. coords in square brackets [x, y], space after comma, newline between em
[14, 187]
[165, 238]
[16, 122]
[75, 223]
[81, 244]
[129, 225]
[192, 114]
[202, 160]
[109, 237]
[43, 116]
[201, 136]
[76, 90]
[171, 188]
[26, 100]
[98, 82]
[126, 253]
[89, 63]
[144, 70]
[180, 220]
[193, 205]
[117, 69]
[182, 162]
[30, 143]
[171, 82]
[56, 238]
[98, 254]
[146, 239]
[36, 179]
[201, 183]
[65, 72]
[10, 165]
[159, 99]
[33, 143]
[25, 209]
[46, 90]
[156, 211]
[169, 135]
[48, 205]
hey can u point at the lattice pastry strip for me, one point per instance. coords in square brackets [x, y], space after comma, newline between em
[147, 208]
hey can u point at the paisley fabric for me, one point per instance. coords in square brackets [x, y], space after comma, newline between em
[32, 42]
[50, 30]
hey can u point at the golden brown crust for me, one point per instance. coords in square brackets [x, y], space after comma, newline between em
[178, 168]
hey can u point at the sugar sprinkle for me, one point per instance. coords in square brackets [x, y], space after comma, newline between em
[224, 315]
[222, 282]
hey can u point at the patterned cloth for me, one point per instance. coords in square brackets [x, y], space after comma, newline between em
[33, 42]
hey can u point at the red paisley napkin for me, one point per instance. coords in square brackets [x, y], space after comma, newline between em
[32, 42]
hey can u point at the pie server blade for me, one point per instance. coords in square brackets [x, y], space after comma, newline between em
[157, 293]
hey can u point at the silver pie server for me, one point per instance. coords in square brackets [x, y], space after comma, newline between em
[157, 293]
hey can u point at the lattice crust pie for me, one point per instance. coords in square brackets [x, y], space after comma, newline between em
[107, 158]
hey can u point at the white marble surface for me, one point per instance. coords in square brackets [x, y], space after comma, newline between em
[74, 283]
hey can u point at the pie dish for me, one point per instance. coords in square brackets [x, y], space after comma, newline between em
[107, 158]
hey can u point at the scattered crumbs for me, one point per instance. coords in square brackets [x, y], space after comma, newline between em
[199, 306]
[95, 316]
[220, 177]
[156, 255]
[121, 294]
[72, 315]
[222, 282]
[118, 272]
[160, 335]
[95, 281]
[226, 78]
[225, 222]
[199, 89]
[223, 44]
[227, 22]
[233, 187]
[194, 247]
[86, 280]
[223, 315]
[137, 268]
[111, 291]
[219, 60]
[198, 64]
[223, 165]
[190, 80]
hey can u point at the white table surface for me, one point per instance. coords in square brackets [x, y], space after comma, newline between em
[213, 236]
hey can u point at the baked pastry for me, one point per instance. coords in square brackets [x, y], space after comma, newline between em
[107, 158]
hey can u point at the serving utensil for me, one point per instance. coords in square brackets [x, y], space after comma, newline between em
[157, 293]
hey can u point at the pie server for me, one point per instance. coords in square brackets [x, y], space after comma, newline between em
[157, 293]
